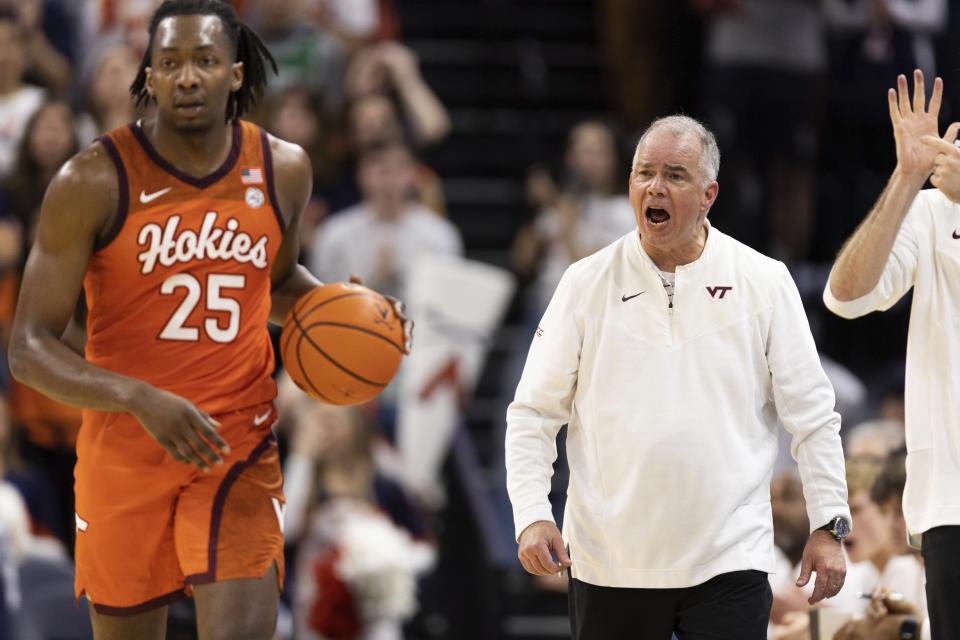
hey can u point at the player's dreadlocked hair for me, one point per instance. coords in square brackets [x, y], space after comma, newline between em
[247, 47]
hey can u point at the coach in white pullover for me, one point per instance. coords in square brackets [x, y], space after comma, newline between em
[911, 238]
[672, 353]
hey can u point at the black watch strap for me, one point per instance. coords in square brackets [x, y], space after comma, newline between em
[838, 527]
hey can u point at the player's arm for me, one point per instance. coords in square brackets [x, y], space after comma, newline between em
[861, 262]
[78, 208]
[294, 181]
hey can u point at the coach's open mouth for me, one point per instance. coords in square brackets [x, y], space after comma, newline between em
[656, 215]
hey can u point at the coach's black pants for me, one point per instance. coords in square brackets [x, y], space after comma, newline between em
[941, 562]
[731, 606]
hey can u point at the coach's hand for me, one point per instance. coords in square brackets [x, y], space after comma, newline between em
[823, 555]
[540, 543]
[946, 164]
[187, 433]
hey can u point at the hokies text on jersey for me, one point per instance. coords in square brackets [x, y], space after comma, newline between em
[169, 245]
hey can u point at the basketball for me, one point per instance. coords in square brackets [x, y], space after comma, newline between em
[342, 343]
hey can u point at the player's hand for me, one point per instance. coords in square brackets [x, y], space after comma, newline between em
[540, 543]
[400, 309]
[188, 434]
[946, 162]
[913, 120]
[823, 555]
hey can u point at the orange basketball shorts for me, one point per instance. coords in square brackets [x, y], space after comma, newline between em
[148, 527]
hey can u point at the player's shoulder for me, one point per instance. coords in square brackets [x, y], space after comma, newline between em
[89, 175]
[288, 157]
[292, 174]
[84, 194]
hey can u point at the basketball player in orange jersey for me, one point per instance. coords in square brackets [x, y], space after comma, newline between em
[181, 230]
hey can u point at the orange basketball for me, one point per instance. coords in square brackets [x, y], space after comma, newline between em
[342, 343]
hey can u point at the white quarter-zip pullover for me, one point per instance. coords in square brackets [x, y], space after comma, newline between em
[673, 415]
[926, 256]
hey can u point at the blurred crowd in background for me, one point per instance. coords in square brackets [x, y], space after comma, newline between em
[793, 89]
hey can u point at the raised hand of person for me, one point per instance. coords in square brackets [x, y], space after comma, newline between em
[188, 434]
[946, 162]
[913, 119]
[400, 60]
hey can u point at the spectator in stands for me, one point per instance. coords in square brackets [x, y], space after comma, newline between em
[392, 69]
[869, 545]
[115, 21]
[790, 525]
[47, 32]
[48, 140]
[35, 570]
[875, 439]
[358, 22]
[339, 505]
[370, 119]
[903, 573]
[48, 429]
[588, 211]
[869, 551]
[307, 55]
[388, 98]
[298, 116]
[778, 45]
[380, 238]
[790, 531]
[18, 101]
[108, 87]
[891, 404]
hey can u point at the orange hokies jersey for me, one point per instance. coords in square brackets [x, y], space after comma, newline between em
[179, 295]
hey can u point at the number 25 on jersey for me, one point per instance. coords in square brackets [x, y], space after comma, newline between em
[215, 300]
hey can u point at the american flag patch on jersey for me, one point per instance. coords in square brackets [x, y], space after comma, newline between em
[251, 175]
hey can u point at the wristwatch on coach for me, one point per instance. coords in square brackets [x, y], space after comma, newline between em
[909, 629]
[839, 528]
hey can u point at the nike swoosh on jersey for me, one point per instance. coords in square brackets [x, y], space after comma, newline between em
[259, 420]
[955, 236]
[625, 297]
[146, 198]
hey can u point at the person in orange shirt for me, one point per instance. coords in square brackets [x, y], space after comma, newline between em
[181, 230]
